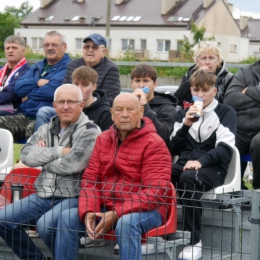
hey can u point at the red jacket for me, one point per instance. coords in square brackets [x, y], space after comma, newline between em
[130, 178]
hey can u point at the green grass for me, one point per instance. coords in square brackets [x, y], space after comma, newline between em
[17, 150]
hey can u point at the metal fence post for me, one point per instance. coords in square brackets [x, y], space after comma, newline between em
[255, 226]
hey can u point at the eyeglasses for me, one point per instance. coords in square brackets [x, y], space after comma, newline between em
[46, 46]
[68, 102]
[93, 47]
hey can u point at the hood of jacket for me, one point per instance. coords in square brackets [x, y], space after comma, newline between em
[101, 100]
[162, 99]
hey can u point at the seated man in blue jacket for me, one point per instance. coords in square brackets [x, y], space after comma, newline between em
[205, 149]
[14, 69]
[37, 86]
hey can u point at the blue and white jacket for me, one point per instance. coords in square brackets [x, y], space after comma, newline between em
[210, 140]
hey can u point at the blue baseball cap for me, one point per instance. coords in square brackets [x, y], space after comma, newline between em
[97, 39]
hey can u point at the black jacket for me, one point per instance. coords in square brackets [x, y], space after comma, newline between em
[224, 78]
[108, 76]
[99, 111]
[210, 140]
[246, 105]
[161, 110]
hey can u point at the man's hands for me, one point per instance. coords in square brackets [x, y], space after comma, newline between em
[41, 143]
[192, 165]
[244, 91]
[65, 151]
[189, 115]
[105, 224]
[24, 99]
[42, 82]
[141, 95]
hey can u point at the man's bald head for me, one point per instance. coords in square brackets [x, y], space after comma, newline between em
[127, 113]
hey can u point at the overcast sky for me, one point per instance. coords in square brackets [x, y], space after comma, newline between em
[245, 7]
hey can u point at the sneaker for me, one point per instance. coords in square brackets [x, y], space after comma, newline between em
[87, 242]
[191, 252]
[147, 249]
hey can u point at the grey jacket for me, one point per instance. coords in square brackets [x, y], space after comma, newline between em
[246, 105]
[108, 76]
[61, 174]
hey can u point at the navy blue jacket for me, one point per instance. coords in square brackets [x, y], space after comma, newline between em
[8, 95]
[40, 96]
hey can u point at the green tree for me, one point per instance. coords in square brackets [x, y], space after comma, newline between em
[7, 24]
[10, 19]
[22, 12]
[186, 51]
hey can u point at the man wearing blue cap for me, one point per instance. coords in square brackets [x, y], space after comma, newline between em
[94, 50]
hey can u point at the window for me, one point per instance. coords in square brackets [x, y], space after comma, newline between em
[163, 45]
[78, 44]
[143, 45]
[179, 44]
[233, 48]
[128, 44]
[37, 43]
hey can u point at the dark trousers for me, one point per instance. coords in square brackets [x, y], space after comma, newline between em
[190, 193]
[250, 143]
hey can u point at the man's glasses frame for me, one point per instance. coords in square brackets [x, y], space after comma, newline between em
[68, 102]
[93, 47]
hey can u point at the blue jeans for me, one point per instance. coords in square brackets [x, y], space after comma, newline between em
[44, 115]
[45, 213]
[129, 230]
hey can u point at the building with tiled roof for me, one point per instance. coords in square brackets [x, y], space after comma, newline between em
[150, 27]
[251, 30]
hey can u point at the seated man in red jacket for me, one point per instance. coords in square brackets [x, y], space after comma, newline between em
[121, 186]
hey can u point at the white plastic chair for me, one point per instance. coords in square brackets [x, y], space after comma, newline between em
[6, 152]
[233, 179]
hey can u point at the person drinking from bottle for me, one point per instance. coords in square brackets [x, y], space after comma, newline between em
[159, 107]
[205, 149]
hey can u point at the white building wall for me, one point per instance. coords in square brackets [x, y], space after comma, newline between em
[240, 52]
[254, 49]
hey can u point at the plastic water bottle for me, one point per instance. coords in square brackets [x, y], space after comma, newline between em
[199, 103]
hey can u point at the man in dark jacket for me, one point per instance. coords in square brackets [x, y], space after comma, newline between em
[37, 86]
[14, 69]
[244, 96]
[96, 106]
[205, 149]
[159, 107]
[94, 50]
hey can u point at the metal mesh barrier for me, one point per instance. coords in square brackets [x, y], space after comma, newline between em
[226, 231]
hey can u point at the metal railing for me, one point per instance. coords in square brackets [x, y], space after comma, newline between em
[154, 64]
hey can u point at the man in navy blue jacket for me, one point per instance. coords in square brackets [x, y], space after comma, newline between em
[37, 86]
[205, 147]
[14, 69]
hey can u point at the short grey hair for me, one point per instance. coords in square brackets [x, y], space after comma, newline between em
[69, 86]
[55, 33]
[15, 39]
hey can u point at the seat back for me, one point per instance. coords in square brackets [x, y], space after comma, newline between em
[22, 178]
[6, 152]
[233, 179]
[168, 228]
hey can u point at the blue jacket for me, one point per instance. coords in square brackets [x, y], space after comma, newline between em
[40, 96]
[8, 95]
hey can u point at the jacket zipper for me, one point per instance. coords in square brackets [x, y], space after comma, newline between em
[200, 127]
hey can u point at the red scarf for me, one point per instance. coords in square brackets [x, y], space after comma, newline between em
[14, 70]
